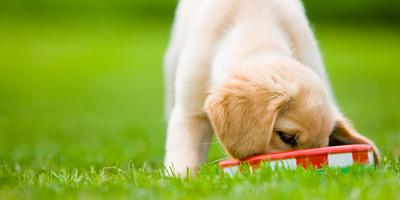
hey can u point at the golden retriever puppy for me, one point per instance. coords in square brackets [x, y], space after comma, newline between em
[251, 71]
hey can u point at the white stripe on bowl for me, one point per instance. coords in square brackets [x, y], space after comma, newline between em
[371, 158]
[340, 159]
[287, 164]
[231, 170]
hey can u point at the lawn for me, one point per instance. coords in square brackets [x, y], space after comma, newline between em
[81, 114]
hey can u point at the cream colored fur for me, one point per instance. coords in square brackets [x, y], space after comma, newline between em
[253, 69]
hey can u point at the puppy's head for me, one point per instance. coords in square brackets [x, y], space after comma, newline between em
[280, 107]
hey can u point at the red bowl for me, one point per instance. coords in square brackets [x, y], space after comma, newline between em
[334, 156]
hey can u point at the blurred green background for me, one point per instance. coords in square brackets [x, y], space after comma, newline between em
[382, 11]
[81, 80]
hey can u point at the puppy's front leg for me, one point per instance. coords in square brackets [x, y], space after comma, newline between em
[187, 142]
[189, 130]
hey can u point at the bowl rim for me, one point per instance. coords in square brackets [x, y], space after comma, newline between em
[253, 160]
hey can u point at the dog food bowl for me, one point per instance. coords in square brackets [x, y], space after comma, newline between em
[334, 156]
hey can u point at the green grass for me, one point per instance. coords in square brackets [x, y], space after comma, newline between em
[81, 114]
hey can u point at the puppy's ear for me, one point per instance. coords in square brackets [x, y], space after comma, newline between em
[343, 133]
[243, 118]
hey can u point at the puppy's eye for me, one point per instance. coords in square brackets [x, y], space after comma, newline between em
[286, 138]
